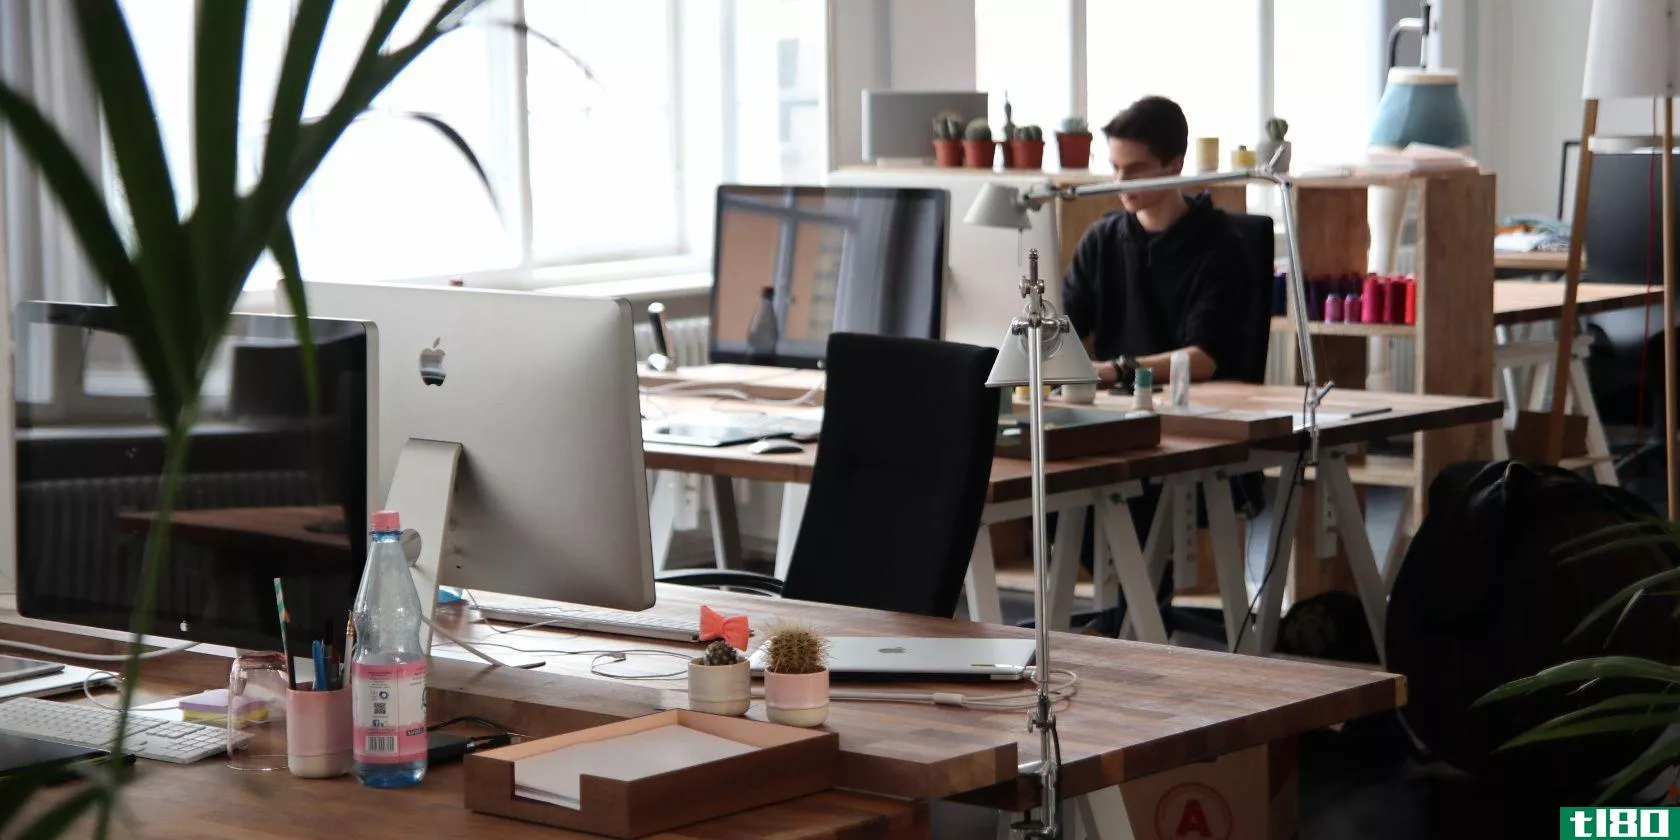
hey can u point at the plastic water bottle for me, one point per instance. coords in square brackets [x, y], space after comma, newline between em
[388, 668]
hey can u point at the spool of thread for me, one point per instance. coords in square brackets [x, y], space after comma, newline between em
[1316, 291]
[1353, 309]
[1369, 300]
[1333, 307]
[1411, 300]
[1143, 389]
[1395, 303]
[1280, 293]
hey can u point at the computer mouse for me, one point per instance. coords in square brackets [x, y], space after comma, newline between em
[775, 446]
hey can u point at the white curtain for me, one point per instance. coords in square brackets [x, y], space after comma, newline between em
[41, 56]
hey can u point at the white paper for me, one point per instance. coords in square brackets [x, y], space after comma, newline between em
[553, 777]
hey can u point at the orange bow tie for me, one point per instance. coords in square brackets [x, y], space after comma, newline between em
[732, 629]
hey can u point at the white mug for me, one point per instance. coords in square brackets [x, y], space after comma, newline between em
[1079, 393]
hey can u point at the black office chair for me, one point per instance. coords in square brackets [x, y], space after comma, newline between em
[908, 433]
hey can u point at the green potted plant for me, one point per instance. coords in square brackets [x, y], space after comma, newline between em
[1275, 146]
[978, 148]
[174, 270]
[1073, 144]
[947, 139]
[1026, 148]
[1008, 133]
[796, 676]
[719, 681]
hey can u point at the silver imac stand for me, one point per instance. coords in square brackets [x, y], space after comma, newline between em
[422, 490]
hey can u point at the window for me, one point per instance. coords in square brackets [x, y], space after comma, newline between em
[612, 168]
[1208, 55]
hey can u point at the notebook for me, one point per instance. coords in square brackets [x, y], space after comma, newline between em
[553, 777]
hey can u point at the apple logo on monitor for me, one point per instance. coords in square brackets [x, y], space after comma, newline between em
[431, 363]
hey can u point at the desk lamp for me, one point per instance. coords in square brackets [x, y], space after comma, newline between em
[1041, 349]
[1633, 52]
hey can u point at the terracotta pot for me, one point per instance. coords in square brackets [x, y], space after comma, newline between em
[1073, 151]
[797, 699]
[720, 689]
[978, 154]
[1026, 154]
[1007, 147]
[948, 152]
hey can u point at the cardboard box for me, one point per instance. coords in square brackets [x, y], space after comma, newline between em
[1247, 795]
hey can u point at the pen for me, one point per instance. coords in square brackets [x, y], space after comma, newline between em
[285, 645]
[349, 648]
[319, 649]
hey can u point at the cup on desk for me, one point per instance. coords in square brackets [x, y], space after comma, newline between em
[255, 708]
[1079, 393]
[318, 733]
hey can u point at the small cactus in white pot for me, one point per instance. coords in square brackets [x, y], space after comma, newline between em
[1274, 151]
[719, 681]
[796, 676]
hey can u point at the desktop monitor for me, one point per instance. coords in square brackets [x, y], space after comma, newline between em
[833, 259]
[550, 495]
[270, 490]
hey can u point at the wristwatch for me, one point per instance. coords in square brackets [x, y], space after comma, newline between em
[1125, 369]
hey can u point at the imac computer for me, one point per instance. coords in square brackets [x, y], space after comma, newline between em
[271, 489]
[515, 418]
[792, 264]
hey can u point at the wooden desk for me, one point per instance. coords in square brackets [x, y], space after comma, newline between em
[1540, 262]
[1141, 709]
[276, 531]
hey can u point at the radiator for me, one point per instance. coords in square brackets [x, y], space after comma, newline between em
[69, 545]
[689, 338]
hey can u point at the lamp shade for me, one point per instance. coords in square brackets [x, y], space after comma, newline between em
[1421, 106]
[1064, 362]
[1631, 50]
[998, 206]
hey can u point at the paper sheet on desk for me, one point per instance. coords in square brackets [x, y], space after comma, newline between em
[553, 777]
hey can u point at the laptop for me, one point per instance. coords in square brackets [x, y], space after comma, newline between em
[898, 657]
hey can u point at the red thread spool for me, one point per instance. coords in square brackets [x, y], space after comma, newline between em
[1394, 310]
[1411, 300]
[1369, 300]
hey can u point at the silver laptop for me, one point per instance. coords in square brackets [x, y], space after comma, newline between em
[898, 657]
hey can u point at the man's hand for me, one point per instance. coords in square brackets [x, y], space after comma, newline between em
[1106, 373]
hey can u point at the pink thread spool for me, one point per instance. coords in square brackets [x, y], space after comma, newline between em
[1333, 309]
[1354, 310]
[1411, 299]
[1372, 303]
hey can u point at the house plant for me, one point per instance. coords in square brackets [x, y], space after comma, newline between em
[1026, 148]
[1274, 144]
[978, 148]
[947, 139]
[175, 272]
[796, 676]
[719, 681]
[1008, 133]
[1073, 144]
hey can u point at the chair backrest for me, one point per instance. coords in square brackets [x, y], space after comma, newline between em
[908, 433]
[1258, 240]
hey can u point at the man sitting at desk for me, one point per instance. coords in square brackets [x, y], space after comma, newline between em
[1166, 274]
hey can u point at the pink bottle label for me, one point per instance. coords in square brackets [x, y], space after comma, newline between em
[390, 712]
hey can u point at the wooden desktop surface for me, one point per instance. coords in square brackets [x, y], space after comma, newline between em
[1529, 301]
[1141, 708]
[1011, 477]
[1404, 414]
[1539, 261]
[262, 529]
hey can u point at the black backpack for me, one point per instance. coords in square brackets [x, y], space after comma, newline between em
[1484, 597]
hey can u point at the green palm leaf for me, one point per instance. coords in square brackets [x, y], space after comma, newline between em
[219, 63]
[1582, 671]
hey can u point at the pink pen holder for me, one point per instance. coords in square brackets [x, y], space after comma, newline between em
[318, 730]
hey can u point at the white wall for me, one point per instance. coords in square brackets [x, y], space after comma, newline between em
[892, 45]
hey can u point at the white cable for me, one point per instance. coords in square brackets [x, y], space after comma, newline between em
[97, 657]
[87, 690]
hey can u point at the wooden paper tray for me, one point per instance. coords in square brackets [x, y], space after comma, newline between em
[1078, 432]
[788, 763]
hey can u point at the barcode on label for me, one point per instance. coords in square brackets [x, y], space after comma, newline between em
[381, 745]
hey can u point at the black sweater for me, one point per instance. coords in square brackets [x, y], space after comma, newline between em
[1140, 293]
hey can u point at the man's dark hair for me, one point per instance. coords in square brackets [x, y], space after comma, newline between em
[1155, 121]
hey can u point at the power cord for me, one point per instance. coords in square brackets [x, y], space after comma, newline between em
[1295, 481]
[97, 657]
[87, 691]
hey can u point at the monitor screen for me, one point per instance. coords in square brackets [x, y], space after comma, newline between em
[269, 491]
[793, 264]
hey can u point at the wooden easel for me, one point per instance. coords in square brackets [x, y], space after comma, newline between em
[1572, 274]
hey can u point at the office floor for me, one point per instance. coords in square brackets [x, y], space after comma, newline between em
[1362, 781]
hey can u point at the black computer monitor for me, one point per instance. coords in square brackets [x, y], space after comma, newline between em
[270, 489]
[835, 259]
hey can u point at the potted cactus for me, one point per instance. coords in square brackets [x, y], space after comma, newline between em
[1275, 145]
[796, 676]
[1073, 144]
[978, 148]
[1026, 148]
[719, 682]
[1008, 134]
[947, 139]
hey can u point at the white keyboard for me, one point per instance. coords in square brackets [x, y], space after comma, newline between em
[96, 728]
[596, 620]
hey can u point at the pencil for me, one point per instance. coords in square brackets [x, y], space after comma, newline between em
[285, 645]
